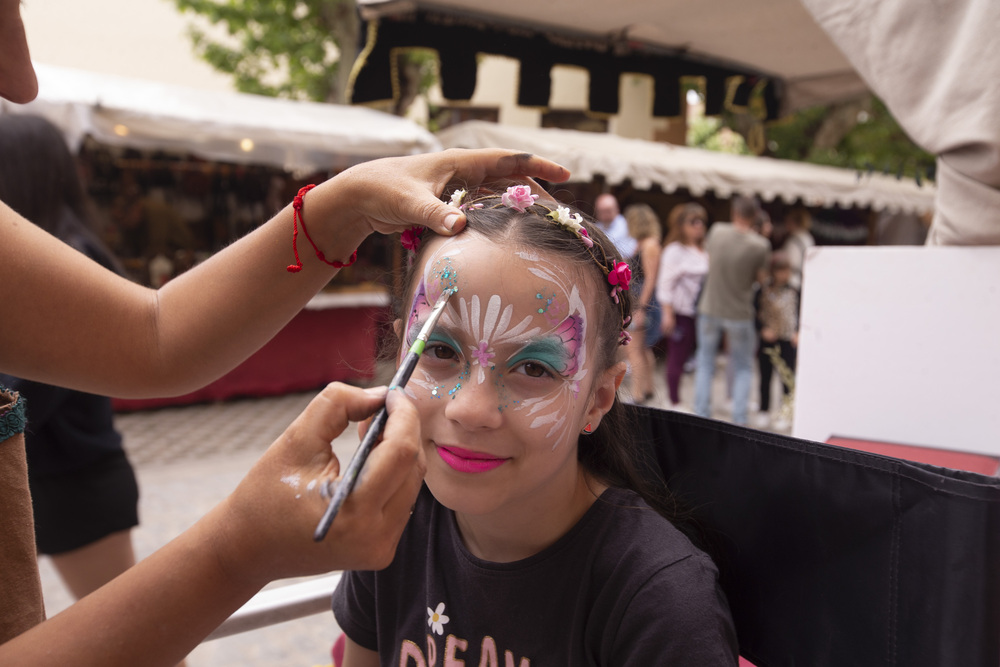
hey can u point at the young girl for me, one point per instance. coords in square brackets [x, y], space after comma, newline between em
[532, 543]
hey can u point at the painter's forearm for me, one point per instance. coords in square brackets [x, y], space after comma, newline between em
[153, 614]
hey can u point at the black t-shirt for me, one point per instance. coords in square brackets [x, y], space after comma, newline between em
[622, 587]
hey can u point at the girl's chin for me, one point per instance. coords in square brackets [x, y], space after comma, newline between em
[463, 500]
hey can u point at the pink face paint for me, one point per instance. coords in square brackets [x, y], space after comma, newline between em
[419, 305]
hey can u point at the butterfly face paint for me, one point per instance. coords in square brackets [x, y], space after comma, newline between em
[505, 378]
[492, 338]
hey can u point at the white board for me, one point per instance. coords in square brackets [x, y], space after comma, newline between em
[902, 345]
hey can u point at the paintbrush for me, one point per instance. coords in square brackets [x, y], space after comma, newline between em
[403, 373]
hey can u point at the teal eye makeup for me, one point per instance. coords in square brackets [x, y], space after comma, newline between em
[549, 352]
[443, 339]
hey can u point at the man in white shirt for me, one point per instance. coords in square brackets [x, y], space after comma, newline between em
[613, 224]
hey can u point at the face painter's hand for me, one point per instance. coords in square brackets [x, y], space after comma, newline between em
[271, 516]
[393, 194]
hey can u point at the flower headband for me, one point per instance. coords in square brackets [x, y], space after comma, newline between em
[520, 198]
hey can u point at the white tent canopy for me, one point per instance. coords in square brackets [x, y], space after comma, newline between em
[223, 126]
[646, 163]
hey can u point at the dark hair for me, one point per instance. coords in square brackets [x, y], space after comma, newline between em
[608, 453]
[746, 208]
[679, 215]
[39, 180]
[798, 218]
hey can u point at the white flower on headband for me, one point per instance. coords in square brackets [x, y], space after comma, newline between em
[572, 222]
[457, 196]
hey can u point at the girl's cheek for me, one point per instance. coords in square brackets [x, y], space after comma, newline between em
[535, 406]
[439, 384]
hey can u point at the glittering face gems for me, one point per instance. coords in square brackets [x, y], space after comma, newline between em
[444, 275]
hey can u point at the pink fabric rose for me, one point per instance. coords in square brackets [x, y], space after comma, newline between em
[411, 238]
[620, 275]
[518, 197]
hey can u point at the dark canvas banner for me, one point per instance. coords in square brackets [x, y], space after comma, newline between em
[831, 556]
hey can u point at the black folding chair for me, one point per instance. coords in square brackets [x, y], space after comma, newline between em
[832, 556]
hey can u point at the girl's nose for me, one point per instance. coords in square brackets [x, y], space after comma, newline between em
[475, 405]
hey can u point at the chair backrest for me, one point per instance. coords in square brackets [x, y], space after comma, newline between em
[831, 556]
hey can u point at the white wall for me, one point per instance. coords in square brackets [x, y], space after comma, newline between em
[902, 345]
[143, 39]
[496, 86]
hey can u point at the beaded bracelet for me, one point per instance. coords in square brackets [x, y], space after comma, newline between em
[299, 219]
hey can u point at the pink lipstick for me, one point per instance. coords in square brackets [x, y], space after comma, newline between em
[464, 460]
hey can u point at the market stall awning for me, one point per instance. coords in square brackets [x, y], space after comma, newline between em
[775, 44]
[646, 163]
[222, 126]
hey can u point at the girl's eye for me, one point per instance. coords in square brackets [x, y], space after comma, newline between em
[534, 369]
[440, 351]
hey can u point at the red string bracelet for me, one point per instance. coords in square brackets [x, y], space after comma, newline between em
[297, 219]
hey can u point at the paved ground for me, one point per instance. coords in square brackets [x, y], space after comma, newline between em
[188, 459]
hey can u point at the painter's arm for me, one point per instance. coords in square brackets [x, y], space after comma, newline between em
[69, 322]
[160, 609]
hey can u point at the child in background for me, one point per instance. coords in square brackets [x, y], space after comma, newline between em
[777, 306]
[534, 541]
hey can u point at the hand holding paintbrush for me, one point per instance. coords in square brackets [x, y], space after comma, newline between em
[347, 481]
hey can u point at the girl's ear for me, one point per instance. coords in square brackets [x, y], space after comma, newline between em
[604, 393]
[397, 326]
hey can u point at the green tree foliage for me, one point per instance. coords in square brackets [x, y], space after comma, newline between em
[858, 134]
[287, 48]
[871, 140]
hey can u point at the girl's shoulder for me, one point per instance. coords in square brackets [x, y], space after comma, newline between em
[634, 534]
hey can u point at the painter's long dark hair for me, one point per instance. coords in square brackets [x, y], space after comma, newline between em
[608, 454]
[40, 181]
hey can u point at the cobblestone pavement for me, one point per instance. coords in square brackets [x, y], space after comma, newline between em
[188, 459]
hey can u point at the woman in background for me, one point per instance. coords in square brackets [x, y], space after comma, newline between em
[683, 267]
[797, 243]
[644, 227]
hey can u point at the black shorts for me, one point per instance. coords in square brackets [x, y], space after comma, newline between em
[77, 508]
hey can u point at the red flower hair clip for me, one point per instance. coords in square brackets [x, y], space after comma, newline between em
[619, 277]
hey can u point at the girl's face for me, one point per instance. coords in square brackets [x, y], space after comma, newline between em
[505, 385]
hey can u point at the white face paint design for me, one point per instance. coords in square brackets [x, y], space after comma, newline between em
[553, 331]
[503, 386]
[572, 331]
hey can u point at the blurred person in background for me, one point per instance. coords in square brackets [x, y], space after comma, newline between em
[679, 281]
[737, 259]
[798, 222]
[644, 227]
[776, 304]
[608, 215]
